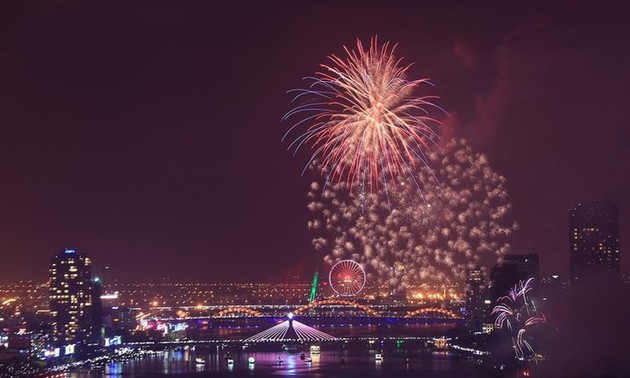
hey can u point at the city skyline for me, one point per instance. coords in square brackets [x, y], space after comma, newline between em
[149, 137]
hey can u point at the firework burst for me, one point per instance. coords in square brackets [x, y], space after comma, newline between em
[403, 239]
[518, 314]
[364, 123]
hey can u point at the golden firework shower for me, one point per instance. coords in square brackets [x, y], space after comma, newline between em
[363, 120]
[425, 236]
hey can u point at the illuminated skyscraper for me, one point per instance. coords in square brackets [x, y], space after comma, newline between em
[475, 308]
[71, 298]
[594, 241]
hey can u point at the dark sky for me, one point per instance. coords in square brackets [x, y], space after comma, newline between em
[147, 134]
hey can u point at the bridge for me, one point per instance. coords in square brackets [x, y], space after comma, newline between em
[333, 306]
[335, 302]
[238, 311]
[424, 312]
[323, 313]
[341, 318]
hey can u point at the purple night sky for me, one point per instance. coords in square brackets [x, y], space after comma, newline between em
[148, 136]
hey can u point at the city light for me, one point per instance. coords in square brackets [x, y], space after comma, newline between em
[156, 224]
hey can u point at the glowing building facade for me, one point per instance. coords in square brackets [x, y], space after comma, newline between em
[71, 298]
[594, 242]
[475, 308]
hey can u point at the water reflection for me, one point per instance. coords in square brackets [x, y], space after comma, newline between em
[356, 363]
[113, 368]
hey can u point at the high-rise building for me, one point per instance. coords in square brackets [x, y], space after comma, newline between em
[594, 241]
[508, 273]
[475, 309]
[71, 298]
[527, 265]
[97, 310]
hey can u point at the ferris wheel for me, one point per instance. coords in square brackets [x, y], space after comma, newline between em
[347, 278]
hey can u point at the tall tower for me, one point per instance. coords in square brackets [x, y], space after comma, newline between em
[71, 298]
[594, 241]
[475, 309]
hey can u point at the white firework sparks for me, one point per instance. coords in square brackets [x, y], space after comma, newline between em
[365, 123]
[427, 235]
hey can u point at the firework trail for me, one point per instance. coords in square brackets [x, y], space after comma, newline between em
[363, 122]
[518, 314]
[403, 239]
